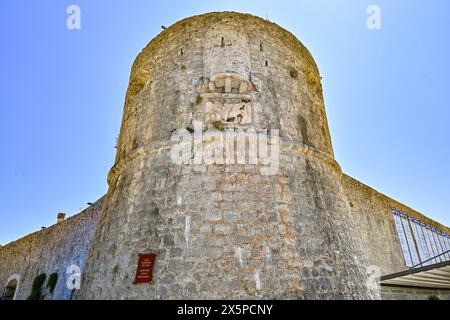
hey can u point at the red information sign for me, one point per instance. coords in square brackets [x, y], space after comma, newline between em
[144, 272]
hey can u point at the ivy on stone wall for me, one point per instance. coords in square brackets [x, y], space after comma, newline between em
[36, 290]
[435, 296]
[51, 283]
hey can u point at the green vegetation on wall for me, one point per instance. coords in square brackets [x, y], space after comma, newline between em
[51, 283]
[36, 290]
[435, 296]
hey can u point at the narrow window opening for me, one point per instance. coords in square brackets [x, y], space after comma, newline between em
[223, 42]
[261, 47]
[10, 290]
[181, 52]
[267, 63]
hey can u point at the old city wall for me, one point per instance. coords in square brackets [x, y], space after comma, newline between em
[225, 231]
[372, 212]
[48, 251]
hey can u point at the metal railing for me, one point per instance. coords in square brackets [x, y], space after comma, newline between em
[433, 258]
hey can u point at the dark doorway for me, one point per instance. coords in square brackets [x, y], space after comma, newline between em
[10, 290]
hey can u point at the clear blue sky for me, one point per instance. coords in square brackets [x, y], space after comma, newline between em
[386, 93]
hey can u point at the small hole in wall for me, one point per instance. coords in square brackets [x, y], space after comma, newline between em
[181, 52]
[261, 47]
[223, 42]
[294, 74]
[267, 63]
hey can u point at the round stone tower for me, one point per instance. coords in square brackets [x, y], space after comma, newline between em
[269, 222]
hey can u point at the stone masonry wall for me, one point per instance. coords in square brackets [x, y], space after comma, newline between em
[307, 231]
[50, 250]
[226, 230]
[404, 293]
[372, 212]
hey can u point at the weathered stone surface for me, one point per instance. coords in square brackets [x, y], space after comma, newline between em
[402, 293]
[372, 212]
[245, 228]
[48, 251]
[223, 230]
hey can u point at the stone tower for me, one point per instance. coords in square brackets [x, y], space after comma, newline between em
[230, 229]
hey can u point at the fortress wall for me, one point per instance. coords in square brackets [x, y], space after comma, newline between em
[372, 212]
[221, 231]
[225, 231]
[51, 250]
[401, 293]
